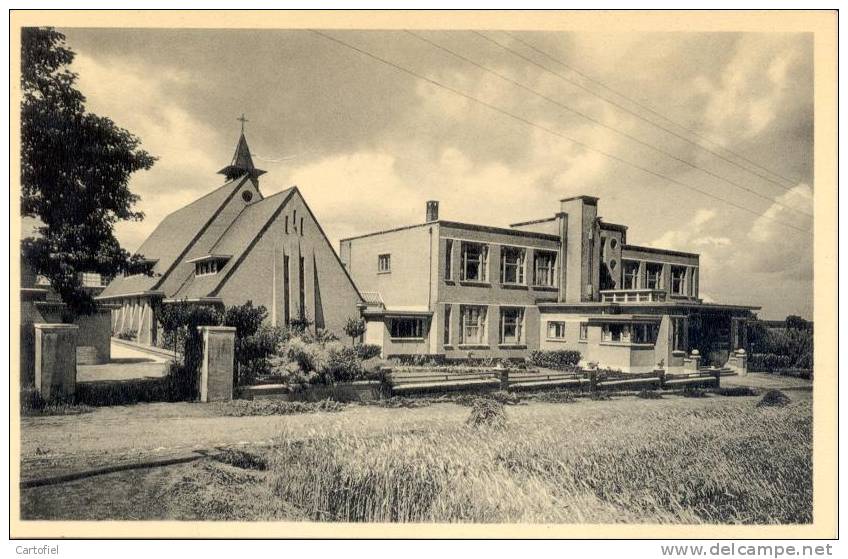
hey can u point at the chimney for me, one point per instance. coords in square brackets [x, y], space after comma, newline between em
[432, 210]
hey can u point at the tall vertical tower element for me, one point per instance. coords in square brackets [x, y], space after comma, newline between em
[432, 211]
[582, 249]
[242, 163]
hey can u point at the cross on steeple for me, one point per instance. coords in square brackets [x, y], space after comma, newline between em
[242, 163]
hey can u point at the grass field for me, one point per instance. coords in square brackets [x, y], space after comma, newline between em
[675, 460]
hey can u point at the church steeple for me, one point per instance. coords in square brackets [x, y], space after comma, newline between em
[242, 163]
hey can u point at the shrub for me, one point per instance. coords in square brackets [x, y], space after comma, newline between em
[253, 353]
[694, 392]
[246, 318]
[368, 351]
[343, 364]
[768, 362]
[736, 391]
[486, 412]
[646, 394]
[563, 360]
[242, 459]
[554, 397]
[774, 398]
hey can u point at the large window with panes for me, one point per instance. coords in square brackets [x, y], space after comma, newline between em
[631, 274]
[653, 276]
[473, 324]
[678, 280]
[512, 325]
[544, 268]
[512, 265]
[407, 328]
[556, 330]
[475, 262]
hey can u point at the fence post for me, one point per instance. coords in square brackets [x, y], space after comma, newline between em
[661, 374]
[55, 360]
[217, 363]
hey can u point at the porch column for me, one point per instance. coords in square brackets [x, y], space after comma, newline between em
[640, 276]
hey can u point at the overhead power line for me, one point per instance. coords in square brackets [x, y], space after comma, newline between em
[792, 182]
[603, 124]
[546, 129]
[622, 107]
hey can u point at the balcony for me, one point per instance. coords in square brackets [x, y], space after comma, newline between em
[633, 296]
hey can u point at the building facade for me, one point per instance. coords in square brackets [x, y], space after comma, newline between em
[235, 245]
[570, 281]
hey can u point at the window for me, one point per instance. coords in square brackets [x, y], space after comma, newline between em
[584, 331]
[512, 320]
[447, 331]
[287, 225]
[448, 259]
[247, 196]
[475, 262]
[473, 325]
[407, 328]
[286, 292]
[645, 333]
[631, 274]
[301, 227]
[616, 333]
[678, 341]
[678, 280]
[205, 268]
[556, 330]
[512, 265]
[302, 301]
[544, 269]
[653, 276]
[384, 263]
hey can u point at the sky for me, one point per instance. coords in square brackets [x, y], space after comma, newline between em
[368, 144]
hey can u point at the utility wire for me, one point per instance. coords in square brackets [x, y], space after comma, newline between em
[546, 129]
[603, 124]
[654, 112]
[622, 107]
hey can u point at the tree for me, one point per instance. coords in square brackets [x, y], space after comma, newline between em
[355, 328]
[75, 168]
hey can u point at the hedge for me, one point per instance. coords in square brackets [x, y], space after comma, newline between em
[562, 359]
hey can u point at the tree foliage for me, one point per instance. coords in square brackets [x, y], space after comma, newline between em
[75, 168]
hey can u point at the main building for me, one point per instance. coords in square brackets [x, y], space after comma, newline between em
[569, 281]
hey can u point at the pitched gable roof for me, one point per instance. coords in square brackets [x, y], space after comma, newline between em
[172, 239]
[236, 241]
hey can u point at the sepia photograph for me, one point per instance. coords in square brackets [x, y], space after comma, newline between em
[416, 268]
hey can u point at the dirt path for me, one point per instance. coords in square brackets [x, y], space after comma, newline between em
[58, 445]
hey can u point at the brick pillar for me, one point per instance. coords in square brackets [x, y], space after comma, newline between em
[55, 360]
[216, 366]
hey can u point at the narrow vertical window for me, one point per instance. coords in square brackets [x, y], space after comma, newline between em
[447, 331]
[301, 227]
[584, 331]
[449, 259]
[287, 225]
[302, 301]
[286, 291]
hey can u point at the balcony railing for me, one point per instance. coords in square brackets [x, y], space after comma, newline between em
[633, 295]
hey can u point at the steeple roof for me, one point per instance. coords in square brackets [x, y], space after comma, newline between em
[242, 163]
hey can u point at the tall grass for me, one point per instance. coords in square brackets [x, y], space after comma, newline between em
[710, 465]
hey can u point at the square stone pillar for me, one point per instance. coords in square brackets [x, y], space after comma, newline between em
[55, 360]
[218, 362]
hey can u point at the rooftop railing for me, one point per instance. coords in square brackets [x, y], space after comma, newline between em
[633, 295]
